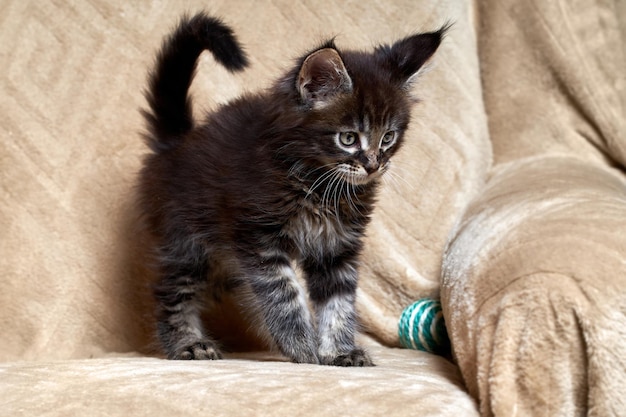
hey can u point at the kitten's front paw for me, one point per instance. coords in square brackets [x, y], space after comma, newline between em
[356, 357]
[202, 350]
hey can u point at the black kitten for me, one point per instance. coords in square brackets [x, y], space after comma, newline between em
[288, 175]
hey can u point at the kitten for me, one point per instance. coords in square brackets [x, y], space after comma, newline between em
[284, 176]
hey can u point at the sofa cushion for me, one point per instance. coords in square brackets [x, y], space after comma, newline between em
[246, 384]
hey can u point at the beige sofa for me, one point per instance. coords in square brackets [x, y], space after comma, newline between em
[508, 203]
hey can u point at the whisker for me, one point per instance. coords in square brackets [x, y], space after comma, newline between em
[394, 184]
[299, 167]
[397, 170]
[351, 204]
[397, 178]
[295, 168]
[330, 175]
[351, 200]
[337, 194]
[332, 191]
[319, 181]
[322, 167]
[330, 194]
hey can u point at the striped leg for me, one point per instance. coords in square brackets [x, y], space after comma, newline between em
[179, 326]
[332, 289]
[282, 303]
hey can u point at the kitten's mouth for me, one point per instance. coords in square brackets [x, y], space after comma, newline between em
[361, 179]
[360, 176]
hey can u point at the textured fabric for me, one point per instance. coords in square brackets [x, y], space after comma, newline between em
[554, 80]
[74, 283]
[533, 275]
[252, 384]
[71, 148]
[534, 284]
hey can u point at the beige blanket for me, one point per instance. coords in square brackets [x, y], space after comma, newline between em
[532, 244]
[535, 275]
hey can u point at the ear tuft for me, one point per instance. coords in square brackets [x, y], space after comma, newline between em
[323, 77]
[405, 57]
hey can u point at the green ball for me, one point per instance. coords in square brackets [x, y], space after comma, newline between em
[422, 327]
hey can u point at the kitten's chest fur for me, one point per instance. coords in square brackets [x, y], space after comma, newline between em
[316, 230]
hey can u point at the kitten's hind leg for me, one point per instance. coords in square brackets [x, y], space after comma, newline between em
[281, 302]
[179, 325]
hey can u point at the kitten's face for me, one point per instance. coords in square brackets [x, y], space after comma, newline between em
[358, 134]
[368, 151]
[360, 148]
[357, 107]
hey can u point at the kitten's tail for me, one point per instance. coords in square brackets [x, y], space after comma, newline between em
[170, 115]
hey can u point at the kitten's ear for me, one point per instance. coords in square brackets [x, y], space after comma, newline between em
[323, 77]
[406, 57]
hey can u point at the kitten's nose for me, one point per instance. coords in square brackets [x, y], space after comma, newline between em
[370, 163]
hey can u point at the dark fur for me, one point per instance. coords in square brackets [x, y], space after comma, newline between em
[234, 201]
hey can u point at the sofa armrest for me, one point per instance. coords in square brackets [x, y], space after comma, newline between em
[534, 290]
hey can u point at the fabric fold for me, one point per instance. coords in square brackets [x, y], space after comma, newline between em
[534, 290]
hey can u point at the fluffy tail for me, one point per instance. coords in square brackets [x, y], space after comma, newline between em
[170, 115]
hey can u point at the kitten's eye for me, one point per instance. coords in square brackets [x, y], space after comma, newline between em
[348, 138]
[389, 137]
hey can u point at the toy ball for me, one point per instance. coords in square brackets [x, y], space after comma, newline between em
[422, 327]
